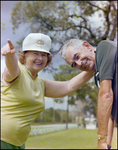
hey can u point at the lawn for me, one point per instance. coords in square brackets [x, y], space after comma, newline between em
[67, 139]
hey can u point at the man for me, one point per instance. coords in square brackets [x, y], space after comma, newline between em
[103, 60]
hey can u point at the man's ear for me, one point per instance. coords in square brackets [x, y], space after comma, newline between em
[86, 44]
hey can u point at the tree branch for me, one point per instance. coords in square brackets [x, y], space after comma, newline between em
[95, 6]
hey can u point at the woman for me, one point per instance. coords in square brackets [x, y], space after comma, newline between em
[23, 92]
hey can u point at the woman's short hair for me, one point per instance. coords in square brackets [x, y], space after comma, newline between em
[21, 57]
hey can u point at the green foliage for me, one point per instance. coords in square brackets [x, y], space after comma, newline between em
[58, 100]
[3, 26]
[87, 93]
[67, 19]
[47, 116]
[63, 20]
[66, 73]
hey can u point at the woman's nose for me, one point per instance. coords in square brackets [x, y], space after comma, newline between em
[40, 57]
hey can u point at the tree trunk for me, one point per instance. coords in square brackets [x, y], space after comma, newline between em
[54, 113]
[61, 116]
[67, 115]
[41, 116]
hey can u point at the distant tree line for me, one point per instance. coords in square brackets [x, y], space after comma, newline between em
[47, 116]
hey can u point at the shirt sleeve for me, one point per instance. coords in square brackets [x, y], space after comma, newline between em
[106, 60]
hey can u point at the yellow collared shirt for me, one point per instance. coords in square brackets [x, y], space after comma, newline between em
[21, 102]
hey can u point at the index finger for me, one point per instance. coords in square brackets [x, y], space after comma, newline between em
[10, 44]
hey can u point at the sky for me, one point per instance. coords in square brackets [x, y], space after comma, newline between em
[7, 33]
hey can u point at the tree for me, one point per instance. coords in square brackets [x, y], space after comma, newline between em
[47, 116]
[62, 20]
[105, 9]
[87, 93]
[66, 73]
[65, 16]
[60, 101]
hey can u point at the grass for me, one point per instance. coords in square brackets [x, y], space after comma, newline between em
[67, 139]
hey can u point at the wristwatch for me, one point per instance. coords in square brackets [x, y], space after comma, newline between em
[101, 137]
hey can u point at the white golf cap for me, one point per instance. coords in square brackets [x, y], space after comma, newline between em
[37, 42]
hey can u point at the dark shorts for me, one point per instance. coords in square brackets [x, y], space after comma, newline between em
[5, 145]
[114, 111]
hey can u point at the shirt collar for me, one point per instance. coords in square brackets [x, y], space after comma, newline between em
[31, 74]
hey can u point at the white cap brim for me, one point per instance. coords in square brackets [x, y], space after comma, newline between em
[39, 50]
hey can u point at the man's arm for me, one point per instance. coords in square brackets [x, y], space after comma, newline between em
[105, 100]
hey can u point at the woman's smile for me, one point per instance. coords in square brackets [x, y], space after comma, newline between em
[38, 63]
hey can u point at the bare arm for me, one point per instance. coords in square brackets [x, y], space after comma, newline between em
[56, 89]
[12, 69]
[110, 130]
[105, 100]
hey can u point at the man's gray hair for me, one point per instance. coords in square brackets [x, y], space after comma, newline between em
[72, 42]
